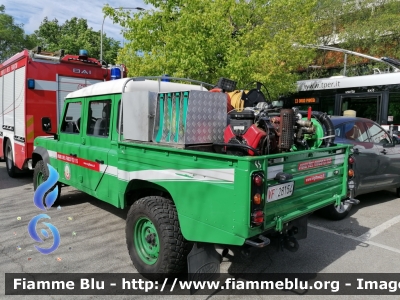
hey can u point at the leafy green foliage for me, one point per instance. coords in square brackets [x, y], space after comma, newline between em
[72, 36]
[244, 40]
[369, 26]
[12, 38]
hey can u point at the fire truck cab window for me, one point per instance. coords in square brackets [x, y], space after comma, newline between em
[99, 115]
[72, 117]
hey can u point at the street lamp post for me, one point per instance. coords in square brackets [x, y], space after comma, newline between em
[102, 25]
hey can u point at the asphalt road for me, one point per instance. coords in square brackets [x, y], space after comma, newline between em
[93, 240]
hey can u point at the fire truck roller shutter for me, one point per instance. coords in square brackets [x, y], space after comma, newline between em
[8, 100]
[1, 119]
[1, 103]
[19, 94]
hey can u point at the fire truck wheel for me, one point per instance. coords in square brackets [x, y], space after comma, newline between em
[11, 168]
[40, 175]
[154, 239]
[336, 212]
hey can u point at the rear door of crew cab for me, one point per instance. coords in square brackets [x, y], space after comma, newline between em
[97, 139]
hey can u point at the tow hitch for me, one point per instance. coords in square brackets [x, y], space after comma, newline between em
[289, 243]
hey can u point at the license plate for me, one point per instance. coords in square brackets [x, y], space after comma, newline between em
[280, 191]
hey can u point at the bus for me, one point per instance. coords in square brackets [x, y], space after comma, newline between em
[375, 97]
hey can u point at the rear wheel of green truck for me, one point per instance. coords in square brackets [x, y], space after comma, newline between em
[153, 236]
[336, 212]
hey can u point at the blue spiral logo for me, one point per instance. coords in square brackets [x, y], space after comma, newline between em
[32, 232]
[39, 199]
[44, 187]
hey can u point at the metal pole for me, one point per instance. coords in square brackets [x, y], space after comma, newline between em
[102, 25]
[101, 40]
[345, 63]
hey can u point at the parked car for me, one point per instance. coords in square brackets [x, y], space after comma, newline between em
[376, 159]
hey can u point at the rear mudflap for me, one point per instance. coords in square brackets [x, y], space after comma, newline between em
[203, 262]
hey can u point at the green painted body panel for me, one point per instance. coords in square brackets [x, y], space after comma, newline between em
[212, 192]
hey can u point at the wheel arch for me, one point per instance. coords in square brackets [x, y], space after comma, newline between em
[40, 153]
[137, 189]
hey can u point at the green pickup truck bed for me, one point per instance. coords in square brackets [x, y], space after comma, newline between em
[183, 195]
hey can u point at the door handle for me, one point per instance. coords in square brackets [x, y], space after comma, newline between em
[73, 155]
[99, 161]
[383, 151]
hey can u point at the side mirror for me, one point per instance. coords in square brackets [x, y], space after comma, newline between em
[46, 124]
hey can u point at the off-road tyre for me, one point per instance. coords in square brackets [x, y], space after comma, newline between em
[41, 174]
[336, 213]
[8, 157]
[154, 238]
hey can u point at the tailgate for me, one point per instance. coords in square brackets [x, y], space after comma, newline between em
[299, 183]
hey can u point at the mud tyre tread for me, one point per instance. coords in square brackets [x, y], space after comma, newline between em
[173, 247]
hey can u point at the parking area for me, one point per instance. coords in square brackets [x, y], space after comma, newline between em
[93, 238]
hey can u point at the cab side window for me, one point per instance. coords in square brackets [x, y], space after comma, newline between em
[99, 115]
[72, 118]
[377, 134]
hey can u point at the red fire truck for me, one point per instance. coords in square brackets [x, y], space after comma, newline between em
[33, 84]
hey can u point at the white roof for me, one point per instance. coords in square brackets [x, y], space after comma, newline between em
[348, 82]
[116, 86]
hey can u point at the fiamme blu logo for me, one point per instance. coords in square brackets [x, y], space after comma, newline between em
[44, 197]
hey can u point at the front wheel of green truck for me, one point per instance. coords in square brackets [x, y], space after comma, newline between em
[153, 236]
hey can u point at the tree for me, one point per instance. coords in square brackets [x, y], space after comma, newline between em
[12, 36]
[72, 36]
[245, 40]
[367, 26]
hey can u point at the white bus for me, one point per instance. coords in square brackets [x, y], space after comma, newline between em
[376, 97]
